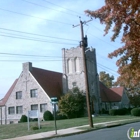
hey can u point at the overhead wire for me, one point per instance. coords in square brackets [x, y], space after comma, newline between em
[107, 69]
[63, 7]
[34, 16]
[15, 54]
[47, 7]
[103, 40]
[11, 30]
[39, 18]
[33, 39]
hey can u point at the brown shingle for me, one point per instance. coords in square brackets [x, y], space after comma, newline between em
[118, 90]
[50, 81]
[109, 95]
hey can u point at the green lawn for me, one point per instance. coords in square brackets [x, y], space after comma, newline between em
[15, 130]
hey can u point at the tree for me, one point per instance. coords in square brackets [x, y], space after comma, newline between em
[72, 104]
[135, 100]
[106, 79]
[124, 15]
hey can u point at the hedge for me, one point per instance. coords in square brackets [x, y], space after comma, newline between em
[122, 111]
[135, 112]
[47, 116]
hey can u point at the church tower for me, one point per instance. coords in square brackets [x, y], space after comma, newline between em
[73, 73]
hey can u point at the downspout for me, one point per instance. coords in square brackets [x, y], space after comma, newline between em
[5, 115]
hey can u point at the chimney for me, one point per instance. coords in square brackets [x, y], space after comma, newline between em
[27, 67]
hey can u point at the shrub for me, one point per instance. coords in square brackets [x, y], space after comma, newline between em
[34, 127]
[113, 112]
[122, 111]
[47, 116]
[59, 116]
[135, 112]
[72, 104]
[23, 118]
[33, 119]
[103, 111]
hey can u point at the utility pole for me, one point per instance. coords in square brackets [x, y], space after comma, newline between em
[83, 45]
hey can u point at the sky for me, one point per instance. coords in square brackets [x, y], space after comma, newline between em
[37, 30]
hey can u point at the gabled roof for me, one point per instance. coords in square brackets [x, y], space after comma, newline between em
[118, 90]
[4, 100]
[110, 95]
[50, 81]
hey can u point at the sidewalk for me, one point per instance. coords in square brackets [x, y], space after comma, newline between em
[64, 132]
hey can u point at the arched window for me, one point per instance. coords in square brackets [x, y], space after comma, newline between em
[69, 65]
[77, 64]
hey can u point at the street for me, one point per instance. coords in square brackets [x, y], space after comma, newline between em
[114, 133]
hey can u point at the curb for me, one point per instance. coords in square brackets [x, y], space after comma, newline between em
[81, 132]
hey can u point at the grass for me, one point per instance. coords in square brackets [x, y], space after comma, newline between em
[21, 129]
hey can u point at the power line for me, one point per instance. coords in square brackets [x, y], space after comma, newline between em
[27, 55]
[35, 34]
[48, 7]
[108, 69]
[34, 16]
[35, 39]
[27, 60]
[12, 54]
[103, 40]
[63, 7]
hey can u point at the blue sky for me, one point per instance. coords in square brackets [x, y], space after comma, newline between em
[40, 29]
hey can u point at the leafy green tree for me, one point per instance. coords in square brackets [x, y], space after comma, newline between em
[72, 104]
[106, 79]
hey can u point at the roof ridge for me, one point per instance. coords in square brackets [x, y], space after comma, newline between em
[4, 100]
[46, 70]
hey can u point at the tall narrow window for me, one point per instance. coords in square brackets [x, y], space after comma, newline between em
[19, 109]
[43, 107]
[33, 93]
[77, 64]
[69, 64]
[11, 110]
[19, 95]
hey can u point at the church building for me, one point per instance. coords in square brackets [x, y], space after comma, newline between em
[35, 87]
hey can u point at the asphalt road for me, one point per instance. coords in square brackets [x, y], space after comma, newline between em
[113, 133]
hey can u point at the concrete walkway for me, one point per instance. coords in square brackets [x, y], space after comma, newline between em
[64, 132]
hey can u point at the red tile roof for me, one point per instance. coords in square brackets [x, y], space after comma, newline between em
[110, 95]
[50, 81]
[4, 100]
